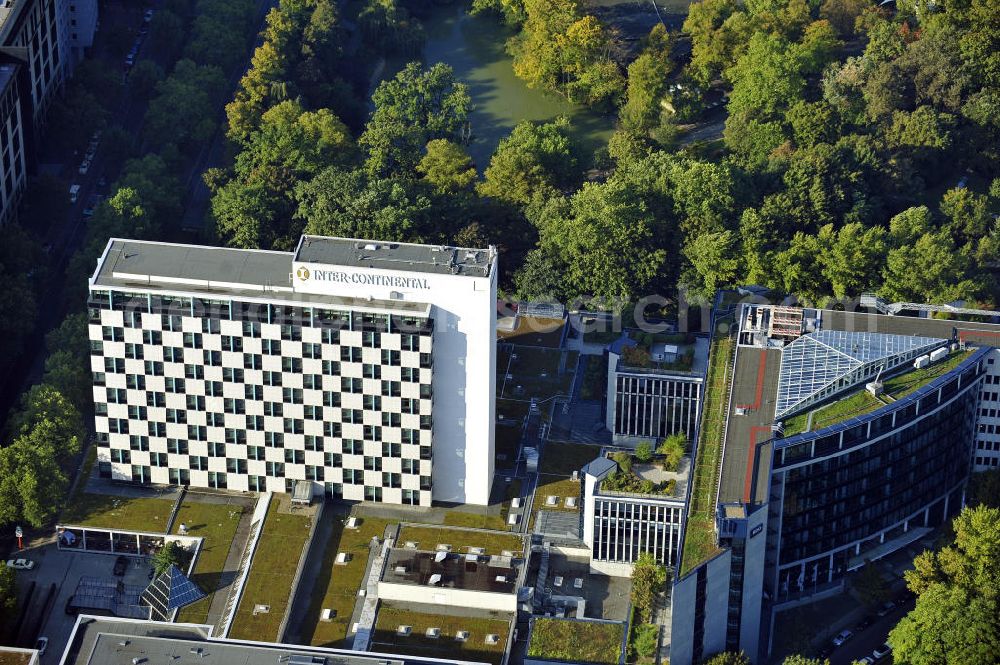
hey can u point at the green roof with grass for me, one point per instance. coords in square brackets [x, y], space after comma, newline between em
[576, 641]
[118, 512]
[473, 647]
[337, 586]
[216, 524]
[861, 402]
[271, 572]
[428, 537]
[699, 532]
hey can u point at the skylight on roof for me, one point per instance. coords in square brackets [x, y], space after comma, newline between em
[818, 365]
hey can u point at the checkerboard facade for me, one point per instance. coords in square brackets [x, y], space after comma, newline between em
[254, 396]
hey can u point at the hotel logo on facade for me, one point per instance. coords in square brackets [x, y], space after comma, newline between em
[361, 278]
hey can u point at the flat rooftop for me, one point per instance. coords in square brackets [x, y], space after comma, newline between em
[457, 571]
[406, 257]
[219, 272]
[99, 641]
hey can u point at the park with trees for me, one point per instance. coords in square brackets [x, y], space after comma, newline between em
[857, 144]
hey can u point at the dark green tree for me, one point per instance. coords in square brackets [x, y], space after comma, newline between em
[727, 658]
[414, 107]
[348, 203]
[870, 585]
[8, 594]
[956, 618]
[533, 162]
[171, 554]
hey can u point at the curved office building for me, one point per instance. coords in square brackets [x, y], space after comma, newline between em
[847, 437]
[863, 487]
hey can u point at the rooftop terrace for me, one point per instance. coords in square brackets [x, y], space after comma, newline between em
[496, 574]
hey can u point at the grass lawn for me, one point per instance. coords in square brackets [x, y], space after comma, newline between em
[559, 486]
[337, 587]
[480, 517]
[271, 573]
[116, 512]
[428, 537]
[562, 459]
[699, 538]
[535, 372]
[474, 648]
[216, 523]
[576, 641]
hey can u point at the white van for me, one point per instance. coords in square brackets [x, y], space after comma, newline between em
[74, 193]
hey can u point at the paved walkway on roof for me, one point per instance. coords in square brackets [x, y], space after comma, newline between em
[755, 387]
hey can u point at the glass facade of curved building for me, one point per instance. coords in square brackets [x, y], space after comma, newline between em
[847, 490]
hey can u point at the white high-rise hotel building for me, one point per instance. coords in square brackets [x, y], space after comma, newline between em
[366, 368]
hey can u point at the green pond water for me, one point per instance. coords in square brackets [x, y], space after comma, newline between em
[474, 47]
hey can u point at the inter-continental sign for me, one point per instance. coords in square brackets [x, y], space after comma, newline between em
[305, 274]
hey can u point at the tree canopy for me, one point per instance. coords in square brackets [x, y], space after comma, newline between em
[957, 615]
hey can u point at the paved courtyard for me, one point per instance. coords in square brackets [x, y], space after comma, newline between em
[64, 570]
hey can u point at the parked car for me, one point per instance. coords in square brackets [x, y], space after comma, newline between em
[20, 564]
[84, 167]
[74, 193]
[121, 565]
[864, 623]
[130, 59]
[842, 637]
[882, 651]
[867, 660]
[886, 607]
[147, 16]
[41, 645]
